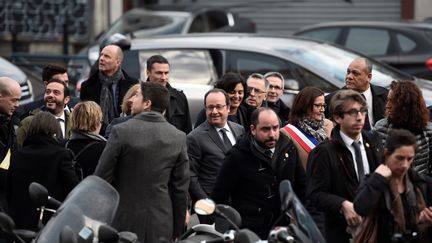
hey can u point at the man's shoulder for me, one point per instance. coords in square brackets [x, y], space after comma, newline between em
[236, 126]
[378, 90]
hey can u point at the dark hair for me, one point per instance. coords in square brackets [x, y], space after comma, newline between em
[227, 98]
[229, 81]
[257, 112]
[66, 91]
[339, 100]
[50, 70]
[303, 103]
[399, 137]
[44, 123]
[408, 107]
[156, 59]
[157, 94]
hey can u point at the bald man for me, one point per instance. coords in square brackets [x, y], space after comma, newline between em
[10, 95]
[109, 84]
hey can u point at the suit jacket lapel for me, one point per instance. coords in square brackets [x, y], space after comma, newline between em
[213, 134]
[234, 130]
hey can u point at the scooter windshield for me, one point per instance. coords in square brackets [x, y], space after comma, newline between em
[89, 204]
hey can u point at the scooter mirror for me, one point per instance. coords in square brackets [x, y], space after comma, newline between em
[38, 194]
[107, 233]
[205, 206]
[7, 225]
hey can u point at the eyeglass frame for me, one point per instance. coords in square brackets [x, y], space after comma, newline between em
[354, 112]
[217, 107]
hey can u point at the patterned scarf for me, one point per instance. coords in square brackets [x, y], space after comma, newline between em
[313, 128]
[106, 95]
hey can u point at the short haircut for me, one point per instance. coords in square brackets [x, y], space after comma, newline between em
[157, 94]
[5, 86]
[86, 116]
[50, 70]
[156, 59]
[126, 103]
[368, 64]
[340, 98]
[303, 103]
[65, 87]
[397, 138]
[257, 112]
[261, 77]
[229, 81]
[277, 75]
[44, 123]
[227, 98]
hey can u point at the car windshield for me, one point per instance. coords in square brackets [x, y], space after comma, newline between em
[135, 21]
[333, 62]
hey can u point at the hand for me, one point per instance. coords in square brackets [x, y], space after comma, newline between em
[383, 170]
[351, 217]
[425, 217]
[187, 219]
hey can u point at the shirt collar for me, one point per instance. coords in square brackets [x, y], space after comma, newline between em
[347, 140]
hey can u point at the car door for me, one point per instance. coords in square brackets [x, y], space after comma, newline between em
[374, 42]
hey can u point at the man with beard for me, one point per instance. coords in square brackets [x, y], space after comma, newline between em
[250, 176]
[56, 97]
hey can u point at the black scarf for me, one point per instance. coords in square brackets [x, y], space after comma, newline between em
[107, 97]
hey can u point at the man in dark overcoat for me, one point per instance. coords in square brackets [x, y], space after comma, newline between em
[146, 160]
[337, 166]
[253, 169]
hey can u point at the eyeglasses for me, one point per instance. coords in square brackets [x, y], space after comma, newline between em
[320, 106]
[276, 87]
[354, 112]
[217, 107]
[258, 91]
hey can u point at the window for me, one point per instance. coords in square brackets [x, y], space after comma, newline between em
[368, 41]
[187, 66]
[248, 62]
[405, 43]
[327, 34]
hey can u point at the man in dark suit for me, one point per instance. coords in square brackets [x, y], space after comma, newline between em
[253, 169]
[158, 71]
[207, 144]
[146, 160]
[337, 166]
[358, 77]
[108, 86]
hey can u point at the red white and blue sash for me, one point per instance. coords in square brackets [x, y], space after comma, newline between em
[306, 141]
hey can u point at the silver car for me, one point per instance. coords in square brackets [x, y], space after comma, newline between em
[197, 61]
[10, 70]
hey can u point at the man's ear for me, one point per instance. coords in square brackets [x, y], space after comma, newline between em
[253, 129]
[147, 105]
[66, 100]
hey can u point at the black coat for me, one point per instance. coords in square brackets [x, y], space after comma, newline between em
[332, 178]
[371, 196]
[281, 110]
[379, 99]
[177, 112]
[7, 141]
[91, 89]
[251, 179]
[89, 157]
[42, 159]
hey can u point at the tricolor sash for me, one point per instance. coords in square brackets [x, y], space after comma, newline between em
[306, 141]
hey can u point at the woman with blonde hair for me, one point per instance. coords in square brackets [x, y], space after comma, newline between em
[85, 141]
[127, 103]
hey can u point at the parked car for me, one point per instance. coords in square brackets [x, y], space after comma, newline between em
[9, 69]
[404, 45]
[173, 19]
[197, 61]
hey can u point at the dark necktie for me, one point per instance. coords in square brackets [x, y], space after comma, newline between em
[60, 120]
[225, 139]
[269, 153]
[358, 160]
[367, 125]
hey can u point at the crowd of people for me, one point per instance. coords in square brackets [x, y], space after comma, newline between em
[359, 158]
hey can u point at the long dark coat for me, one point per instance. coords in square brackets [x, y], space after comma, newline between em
[146, 160]
[42, 159]
[332, 179]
